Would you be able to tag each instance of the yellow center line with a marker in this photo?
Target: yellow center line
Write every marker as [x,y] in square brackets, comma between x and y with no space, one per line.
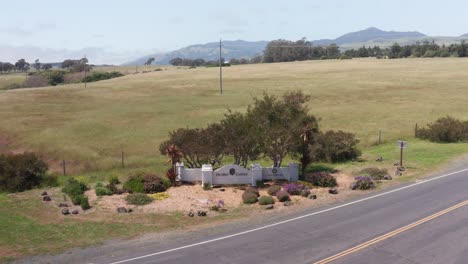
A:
[390,234]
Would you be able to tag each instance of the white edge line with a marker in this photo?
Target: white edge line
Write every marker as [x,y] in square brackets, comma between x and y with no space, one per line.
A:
[289,220]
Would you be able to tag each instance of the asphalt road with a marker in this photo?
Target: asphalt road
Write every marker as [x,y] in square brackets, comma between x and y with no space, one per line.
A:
[318,234]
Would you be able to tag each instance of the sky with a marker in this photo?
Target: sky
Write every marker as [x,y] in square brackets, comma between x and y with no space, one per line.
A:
[116,31]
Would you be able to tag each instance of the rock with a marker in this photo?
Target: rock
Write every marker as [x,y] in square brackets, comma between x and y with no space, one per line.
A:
[46,198]
[191,214]
[201,213]
[222,190]
[75,211]
[401,168]
[129,210]
[333,191]
[63,205]
[396,164]
[287,203]
[387,177]
[121,210]
[269,207]
[217,186]
[312,196]
[379,158]
[398,173]
[65,211]
[44,193]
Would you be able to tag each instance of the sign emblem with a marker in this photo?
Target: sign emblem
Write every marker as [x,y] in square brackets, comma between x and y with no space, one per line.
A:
[274,170]
[232,171]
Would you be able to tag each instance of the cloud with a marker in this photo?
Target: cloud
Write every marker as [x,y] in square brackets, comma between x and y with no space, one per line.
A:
[27,31]
[96,55]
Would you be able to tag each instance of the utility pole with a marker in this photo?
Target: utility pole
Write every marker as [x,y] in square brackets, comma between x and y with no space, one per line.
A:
[220,69]
[85,70]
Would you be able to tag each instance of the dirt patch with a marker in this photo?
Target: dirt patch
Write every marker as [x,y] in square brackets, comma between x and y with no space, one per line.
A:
[187,198]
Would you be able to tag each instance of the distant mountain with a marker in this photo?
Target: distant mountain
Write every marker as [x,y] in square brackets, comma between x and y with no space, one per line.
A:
[371,33]
[246,49]
[209,51]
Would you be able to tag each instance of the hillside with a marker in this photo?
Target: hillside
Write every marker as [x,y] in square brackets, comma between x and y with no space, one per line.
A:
[368,34]
[90,126]
[209,51]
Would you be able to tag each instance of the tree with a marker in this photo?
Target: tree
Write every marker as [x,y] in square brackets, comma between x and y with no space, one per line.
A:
[280,123]
[46,66]
[37,65]
[22,65]
[176,61]
[395,51]
[150,61]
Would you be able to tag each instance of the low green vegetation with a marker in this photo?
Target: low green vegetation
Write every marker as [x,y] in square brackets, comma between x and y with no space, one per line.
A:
[265,200]
[138,199]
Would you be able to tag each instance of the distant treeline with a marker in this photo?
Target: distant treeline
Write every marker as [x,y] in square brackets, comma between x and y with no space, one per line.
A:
[285,50]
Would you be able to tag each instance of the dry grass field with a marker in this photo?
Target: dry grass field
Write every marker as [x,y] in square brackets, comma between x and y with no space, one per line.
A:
[89,126]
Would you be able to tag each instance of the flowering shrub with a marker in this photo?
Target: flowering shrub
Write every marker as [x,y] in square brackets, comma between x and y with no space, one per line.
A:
[293,188]
[321,179]
[363,183]
[159,196]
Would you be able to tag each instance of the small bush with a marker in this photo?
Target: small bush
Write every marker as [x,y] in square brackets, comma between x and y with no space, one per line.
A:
[138,199]
[135,182]
[307,184]
[445,130]
[272,190]
[375,173]
[99,76]
[74,188]
[76,199]
[82,179]
[321,179]
[159,196]
[102,191]
[282,196]
[363,183]
[99,184]
[20,172]
[264,200]
[305,192]
[50,180]
[249,197]
[207,186]
[153,183]
[335,146]
[114,180]
[293,188]
[84,203]
[253,190]
[172,176]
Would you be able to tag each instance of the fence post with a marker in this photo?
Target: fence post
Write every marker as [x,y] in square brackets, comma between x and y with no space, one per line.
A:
[416,130]
[380,136]
[64,165]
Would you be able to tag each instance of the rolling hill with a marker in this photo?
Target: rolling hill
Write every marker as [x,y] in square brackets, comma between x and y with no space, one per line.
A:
[246,49]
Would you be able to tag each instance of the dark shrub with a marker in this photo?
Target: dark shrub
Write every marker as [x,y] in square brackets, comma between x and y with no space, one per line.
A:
[272,190]
[293,188]
[375,173]
[282,196]
[335,146]
[21,172]
[98,76]
[321,179]
[253,190]
[264,200]
[172,176]
[138,199]
[249,197]
[363,183]
[101,191]
[74,188]
[84,203]
[446,129]
[207,186]
[153,183]
[114,180]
